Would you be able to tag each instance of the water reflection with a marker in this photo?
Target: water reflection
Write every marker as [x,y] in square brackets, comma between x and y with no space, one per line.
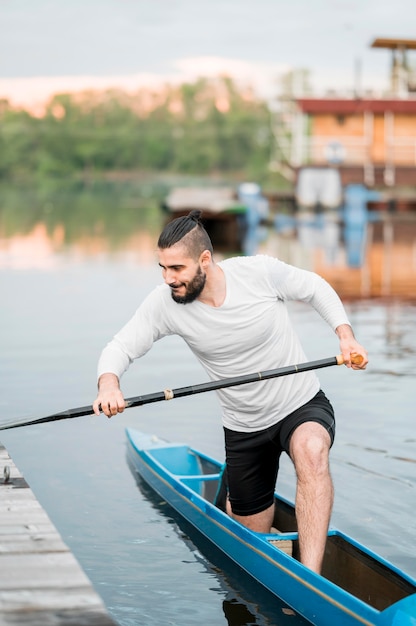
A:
[41,250]
[35,250]
[97,216]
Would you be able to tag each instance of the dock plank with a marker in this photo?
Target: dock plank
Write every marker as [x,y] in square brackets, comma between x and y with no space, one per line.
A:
[41,582]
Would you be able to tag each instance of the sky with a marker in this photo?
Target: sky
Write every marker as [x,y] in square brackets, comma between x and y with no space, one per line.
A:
[47,46]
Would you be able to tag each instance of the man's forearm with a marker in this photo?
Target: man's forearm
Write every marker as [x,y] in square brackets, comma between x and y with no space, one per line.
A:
[344,331]
[108,381]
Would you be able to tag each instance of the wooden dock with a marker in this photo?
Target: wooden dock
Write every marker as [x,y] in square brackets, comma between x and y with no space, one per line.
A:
[41,582]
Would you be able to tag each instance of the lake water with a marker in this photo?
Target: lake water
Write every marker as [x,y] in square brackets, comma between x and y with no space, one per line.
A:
[58,310]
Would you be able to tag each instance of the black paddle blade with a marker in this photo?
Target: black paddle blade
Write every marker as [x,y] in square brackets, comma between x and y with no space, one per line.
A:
[80,412]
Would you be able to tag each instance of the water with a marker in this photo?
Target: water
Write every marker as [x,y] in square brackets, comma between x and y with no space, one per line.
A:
[148,566]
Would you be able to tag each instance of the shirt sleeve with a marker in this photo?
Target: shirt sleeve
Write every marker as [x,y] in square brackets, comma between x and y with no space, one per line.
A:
[135,338]
[293,283]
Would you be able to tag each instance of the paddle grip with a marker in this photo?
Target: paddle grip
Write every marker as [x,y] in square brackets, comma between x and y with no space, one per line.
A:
[356,359]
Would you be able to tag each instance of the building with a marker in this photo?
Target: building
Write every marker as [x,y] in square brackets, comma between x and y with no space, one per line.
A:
[371,140]
[368,144]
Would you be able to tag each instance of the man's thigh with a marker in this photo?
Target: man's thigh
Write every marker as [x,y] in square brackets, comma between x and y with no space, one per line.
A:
[252,464]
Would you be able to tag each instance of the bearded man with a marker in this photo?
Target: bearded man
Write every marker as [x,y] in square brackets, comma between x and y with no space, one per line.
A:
[233,316]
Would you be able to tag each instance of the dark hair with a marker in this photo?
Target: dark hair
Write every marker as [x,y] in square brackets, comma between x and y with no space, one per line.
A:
[188,230]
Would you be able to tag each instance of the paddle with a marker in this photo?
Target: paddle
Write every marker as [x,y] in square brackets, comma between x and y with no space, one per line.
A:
[169,394]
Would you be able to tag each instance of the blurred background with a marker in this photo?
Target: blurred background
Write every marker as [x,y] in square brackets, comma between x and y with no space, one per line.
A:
[286,124]
[293,127]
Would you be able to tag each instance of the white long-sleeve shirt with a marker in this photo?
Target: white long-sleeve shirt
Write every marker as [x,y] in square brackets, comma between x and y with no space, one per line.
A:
[250,332]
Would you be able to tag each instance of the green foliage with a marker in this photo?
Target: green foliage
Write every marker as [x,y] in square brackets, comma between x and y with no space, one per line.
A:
[198,128]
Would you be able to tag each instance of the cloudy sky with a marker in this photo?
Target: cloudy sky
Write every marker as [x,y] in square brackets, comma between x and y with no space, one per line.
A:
[49,45]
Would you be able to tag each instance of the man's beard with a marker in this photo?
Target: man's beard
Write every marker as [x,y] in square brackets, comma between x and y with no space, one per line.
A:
[193,290]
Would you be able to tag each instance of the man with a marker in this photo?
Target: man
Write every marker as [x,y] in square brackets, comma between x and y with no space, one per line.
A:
[233,316]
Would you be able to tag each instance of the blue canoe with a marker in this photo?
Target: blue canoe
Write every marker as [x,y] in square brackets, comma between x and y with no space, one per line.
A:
[356,586]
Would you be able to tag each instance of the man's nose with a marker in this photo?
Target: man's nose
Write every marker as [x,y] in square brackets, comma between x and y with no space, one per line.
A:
[169,277]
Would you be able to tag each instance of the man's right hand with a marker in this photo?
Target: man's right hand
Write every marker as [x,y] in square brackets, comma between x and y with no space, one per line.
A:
[109,400]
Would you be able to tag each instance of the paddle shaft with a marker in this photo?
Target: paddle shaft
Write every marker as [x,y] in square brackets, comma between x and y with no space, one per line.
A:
[169,394]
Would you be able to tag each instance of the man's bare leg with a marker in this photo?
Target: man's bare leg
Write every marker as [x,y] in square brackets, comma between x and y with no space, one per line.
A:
[259,522]
[309,450]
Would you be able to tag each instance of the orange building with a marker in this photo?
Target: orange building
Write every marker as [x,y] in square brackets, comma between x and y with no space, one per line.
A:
[370,140]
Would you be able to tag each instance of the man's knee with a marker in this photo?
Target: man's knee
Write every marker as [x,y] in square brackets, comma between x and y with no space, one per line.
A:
[309,447]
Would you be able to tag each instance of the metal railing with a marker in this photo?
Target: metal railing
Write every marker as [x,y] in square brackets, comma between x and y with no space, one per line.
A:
[357,151]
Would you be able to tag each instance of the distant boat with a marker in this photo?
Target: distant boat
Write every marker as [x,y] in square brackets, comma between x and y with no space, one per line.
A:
[232,217]
[224,215]
[357,587]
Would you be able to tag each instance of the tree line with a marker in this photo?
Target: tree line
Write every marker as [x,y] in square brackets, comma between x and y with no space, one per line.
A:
[199,128]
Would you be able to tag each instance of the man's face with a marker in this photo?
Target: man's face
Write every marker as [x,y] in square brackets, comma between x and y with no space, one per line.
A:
[183,274]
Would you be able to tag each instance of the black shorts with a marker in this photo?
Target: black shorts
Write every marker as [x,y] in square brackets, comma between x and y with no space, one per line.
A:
[252,459]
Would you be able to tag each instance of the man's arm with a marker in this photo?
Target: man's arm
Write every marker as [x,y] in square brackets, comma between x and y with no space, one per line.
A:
[131,342]
[109,400]
[349,345]
[293,283]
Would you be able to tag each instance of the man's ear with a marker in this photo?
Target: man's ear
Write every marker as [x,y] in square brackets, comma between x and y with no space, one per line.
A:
[205,258]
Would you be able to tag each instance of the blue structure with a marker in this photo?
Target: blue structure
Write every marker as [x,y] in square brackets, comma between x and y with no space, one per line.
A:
[257,211]
[356,218]
[327,214]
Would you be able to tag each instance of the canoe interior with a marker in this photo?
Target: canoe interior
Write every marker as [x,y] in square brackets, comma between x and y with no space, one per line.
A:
[363,576]
[345,564]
